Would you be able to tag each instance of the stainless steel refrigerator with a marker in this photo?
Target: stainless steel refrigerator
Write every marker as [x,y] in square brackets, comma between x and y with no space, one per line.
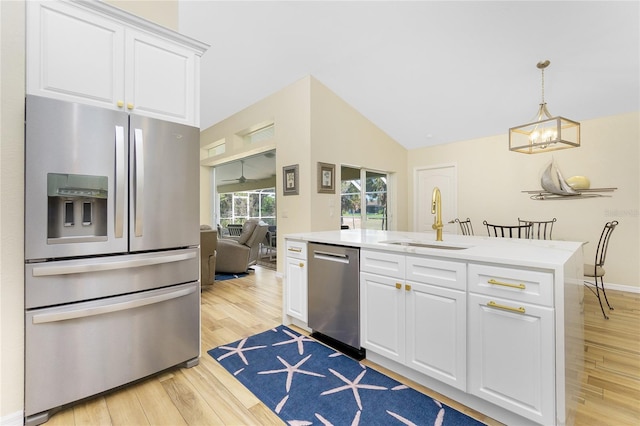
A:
[111,250]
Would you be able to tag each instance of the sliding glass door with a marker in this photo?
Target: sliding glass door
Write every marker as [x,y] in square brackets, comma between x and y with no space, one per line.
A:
[363,196]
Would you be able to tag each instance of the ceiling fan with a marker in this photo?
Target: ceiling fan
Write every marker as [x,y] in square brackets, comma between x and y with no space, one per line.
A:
[241,179]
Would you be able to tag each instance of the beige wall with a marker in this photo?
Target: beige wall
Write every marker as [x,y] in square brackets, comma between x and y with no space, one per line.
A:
[340,135]
[491,178]
[288,109]
[12,83]
[163,12]
[312,125]
[12,78]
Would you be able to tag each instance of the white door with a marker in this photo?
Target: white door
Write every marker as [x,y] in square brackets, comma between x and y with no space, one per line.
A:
[382,309]
[426,179]
[74,55]
[436,332]
[296,284]
[160,79]
[511,356]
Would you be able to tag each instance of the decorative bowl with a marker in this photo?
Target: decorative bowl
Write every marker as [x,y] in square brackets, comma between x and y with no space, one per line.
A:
[579,182]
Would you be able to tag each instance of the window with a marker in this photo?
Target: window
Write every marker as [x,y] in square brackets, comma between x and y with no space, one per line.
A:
[363,206]
[219,147]
[262,134]
[238,207]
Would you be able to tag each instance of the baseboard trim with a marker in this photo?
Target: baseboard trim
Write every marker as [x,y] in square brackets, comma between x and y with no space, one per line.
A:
[621,287]
[13,419]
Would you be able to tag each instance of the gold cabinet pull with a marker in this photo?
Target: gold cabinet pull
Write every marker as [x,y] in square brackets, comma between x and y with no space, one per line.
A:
[295,249]
[129,105]
[398,286]
[496,282]
[407,287]
[493,304]
[301,265]
[120,104]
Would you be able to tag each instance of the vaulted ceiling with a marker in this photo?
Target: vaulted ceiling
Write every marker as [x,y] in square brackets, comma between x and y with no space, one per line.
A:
[425,72]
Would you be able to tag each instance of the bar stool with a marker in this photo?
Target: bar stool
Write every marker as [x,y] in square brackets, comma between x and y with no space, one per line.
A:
[541,229]
[596,271]
[509,231]
[465,226]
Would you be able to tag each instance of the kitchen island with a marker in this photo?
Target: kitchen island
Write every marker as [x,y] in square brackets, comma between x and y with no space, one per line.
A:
[493,323]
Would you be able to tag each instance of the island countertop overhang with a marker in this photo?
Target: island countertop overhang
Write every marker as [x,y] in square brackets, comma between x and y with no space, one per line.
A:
[544,254]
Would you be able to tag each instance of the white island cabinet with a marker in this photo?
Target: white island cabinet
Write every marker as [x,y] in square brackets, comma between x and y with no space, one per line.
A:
[511,339]
[493,323]
[97,54]
[413,311]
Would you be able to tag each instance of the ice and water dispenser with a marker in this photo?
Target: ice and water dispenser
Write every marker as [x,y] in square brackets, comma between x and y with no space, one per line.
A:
[77,208]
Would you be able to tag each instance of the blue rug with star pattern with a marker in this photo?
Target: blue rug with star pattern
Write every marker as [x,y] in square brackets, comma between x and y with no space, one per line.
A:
[305,382]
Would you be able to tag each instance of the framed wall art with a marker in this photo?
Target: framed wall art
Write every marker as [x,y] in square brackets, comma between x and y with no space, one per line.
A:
[326,178]
[290,180]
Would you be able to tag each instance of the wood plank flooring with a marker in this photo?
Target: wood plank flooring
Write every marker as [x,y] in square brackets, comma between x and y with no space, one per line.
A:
[208,395]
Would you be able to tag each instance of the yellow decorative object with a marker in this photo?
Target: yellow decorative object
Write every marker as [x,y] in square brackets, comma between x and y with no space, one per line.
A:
[579,182]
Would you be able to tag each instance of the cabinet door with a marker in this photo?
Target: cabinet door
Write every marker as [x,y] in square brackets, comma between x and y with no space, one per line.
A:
[511,356]
[160,78]
[74,55]
[296,288]
[436,332]
[382,313]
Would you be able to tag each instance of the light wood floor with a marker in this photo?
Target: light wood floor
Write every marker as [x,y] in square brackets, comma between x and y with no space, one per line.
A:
[208,395]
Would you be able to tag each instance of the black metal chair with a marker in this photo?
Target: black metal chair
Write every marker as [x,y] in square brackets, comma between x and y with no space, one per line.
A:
[596,271]
[509,231]
[541,229]
[465,226]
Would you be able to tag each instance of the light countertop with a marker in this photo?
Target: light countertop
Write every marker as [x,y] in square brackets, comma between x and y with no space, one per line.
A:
[511,251]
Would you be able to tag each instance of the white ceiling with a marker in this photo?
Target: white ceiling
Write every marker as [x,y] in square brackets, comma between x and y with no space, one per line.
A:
[425,72]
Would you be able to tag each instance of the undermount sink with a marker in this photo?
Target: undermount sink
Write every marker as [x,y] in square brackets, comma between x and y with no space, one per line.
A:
[424,245]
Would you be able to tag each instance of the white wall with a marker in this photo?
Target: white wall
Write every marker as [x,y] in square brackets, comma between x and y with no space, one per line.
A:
[491,178]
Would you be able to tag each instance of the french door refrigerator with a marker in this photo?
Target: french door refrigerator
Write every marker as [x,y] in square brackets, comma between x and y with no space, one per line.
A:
[111,251]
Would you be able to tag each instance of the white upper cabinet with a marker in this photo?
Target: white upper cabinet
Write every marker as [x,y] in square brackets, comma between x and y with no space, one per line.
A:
[96,54]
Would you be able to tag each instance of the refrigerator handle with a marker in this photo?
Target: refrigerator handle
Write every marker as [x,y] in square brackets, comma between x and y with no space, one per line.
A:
[115,307]
[120,182]
[49,269]
[139,204]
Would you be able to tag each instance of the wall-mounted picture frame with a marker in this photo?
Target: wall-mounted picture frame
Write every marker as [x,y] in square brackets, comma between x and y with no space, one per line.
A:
[290,180]
[326,178]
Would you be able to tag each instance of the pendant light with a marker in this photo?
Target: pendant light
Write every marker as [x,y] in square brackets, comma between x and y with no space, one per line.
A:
[544,133]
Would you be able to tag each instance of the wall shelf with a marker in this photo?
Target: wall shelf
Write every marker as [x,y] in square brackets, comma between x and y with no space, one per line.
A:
[543,195]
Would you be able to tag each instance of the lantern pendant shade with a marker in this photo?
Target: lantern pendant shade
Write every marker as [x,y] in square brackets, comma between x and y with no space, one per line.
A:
[544,133]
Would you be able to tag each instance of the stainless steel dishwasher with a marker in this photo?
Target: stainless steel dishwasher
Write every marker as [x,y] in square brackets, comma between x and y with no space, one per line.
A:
[334,297]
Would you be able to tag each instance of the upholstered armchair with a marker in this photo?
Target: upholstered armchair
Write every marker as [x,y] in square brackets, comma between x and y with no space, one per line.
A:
[236,255]
[208,246]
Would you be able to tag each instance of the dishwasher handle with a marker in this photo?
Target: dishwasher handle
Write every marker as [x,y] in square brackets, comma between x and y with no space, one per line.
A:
[331,257]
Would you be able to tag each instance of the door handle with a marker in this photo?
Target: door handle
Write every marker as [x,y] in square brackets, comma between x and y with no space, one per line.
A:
[493,281]
[120,183]
[139,198]
[519,310]
[331,257]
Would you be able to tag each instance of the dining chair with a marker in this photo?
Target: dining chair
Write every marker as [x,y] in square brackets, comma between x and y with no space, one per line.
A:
[541,229]
[596,271]
[509,231]
[465,226]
